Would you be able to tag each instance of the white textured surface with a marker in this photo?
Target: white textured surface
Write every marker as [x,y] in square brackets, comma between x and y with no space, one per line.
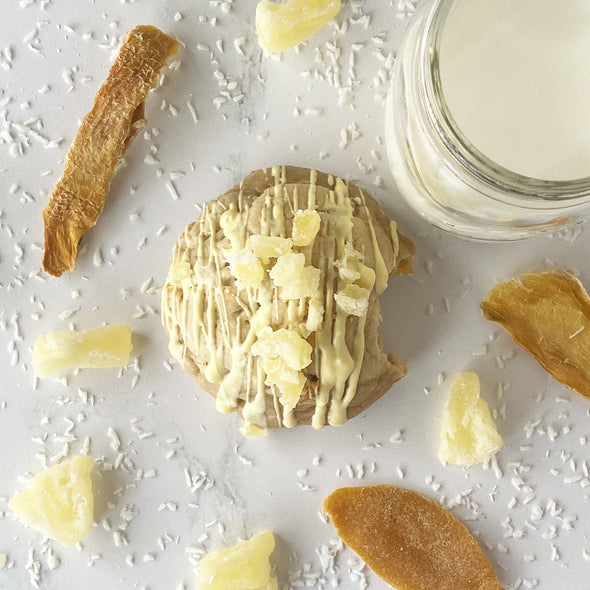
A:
[175,478]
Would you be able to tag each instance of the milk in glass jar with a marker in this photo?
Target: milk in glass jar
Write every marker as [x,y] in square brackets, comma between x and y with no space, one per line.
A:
[488,116]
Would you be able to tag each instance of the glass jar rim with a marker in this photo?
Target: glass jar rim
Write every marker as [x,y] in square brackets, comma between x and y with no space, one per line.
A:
[464,154]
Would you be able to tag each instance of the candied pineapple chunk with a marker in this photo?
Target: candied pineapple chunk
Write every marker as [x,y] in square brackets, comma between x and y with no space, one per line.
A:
[247,268]
[107,346]
[58,501]
[281,26]
[285,344]
[244,566]
[351,269]
[353,300]
[306,225]
[315,314]
[468,434]
[267,247]
[295,279]
[290,382]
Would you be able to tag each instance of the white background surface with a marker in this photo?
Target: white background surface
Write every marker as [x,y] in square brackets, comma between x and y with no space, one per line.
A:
[320,107]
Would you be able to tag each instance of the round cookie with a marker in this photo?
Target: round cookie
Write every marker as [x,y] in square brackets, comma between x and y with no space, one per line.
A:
[271,300]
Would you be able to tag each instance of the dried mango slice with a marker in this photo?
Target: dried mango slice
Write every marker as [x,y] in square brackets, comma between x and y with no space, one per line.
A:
[408,540]
[281,26]
[548,314]
[104,136]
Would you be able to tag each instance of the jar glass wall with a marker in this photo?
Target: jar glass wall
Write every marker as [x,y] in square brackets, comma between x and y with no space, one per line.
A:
[441,174]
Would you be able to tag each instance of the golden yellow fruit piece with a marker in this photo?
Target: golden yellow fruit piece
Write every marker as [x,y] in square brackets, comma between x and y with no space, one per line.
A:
[245,266]
[290,382]
[244,566]
[306,225]
[468,434]
[295,279]
[315,314]
[58,501]
[281,26]
[285,344]
[267,247]
[107,346]
[408,540]
[353,300]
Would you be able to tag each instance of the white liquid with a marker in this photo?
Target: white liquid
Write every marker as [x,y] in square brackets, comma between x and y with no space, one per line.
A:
[516,77]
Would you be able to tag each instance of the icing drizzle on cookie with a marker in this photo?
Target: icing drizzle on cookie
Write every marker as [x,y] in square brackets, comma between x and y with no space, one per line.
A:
[266,313]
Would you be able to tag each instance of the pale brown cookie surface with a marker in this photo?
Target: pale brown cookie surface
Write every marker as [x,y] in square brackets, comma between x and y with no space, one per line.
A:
[271,301]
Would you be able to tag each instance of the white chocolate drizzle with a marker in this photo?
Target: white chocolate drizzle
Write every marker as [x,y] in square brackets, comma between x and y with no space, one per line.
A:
[200,284]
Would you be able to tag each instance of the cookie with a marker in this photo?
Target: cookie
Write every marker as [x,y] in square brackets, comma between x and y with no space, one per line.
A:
[271,300]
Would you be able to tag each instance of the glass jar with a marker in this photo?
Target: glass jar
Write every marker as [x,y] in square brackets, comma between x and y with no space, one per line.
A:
[441,175]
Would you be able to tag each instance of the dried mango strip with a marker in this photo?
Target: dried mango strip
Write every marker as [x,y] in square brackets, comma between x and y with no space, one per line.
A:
[548,314]
[410,541]
[104,136]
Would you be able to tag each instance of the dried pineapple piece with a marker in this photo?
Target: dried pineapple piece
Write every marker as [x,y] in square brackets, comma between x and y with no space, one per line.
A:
[295,279]
[306,225]
[353,300]
[348,273]
[107,346]
[285,344]
[315,314]
[267,247]
[247,268]
[290,382]
[283,353]
[351,269]
[348,265]
[548,314]
[468,434]
[104,135]
[281,26]
[244,566]
[59,501]
[408,540]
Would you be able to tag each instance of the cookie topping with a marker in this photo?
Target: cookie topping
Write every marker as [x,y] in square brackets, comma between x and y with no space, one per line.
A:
[296,280]
[306,225]
[275,277]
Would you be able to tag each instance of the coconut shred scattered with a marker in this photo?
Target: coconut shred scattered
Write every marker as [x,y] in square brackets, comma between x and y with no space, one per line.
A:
[137,458]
